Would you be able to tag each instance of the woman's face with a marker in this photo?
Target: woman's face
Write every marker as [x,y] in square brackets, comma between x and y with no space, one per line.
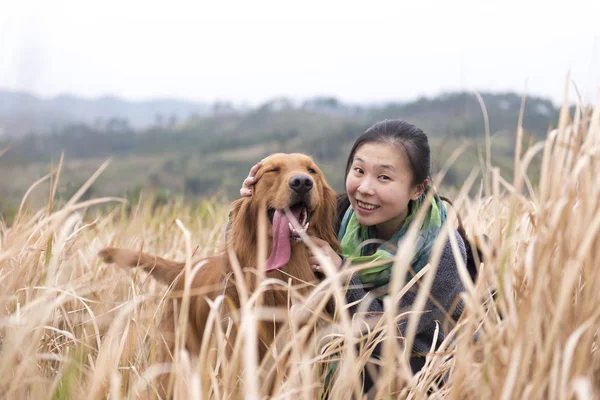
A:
[379,186]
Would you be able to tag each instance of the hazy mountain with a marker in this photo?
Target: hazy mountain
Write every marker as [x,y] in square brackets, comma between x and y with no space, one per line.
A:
[460,113]
[213,151]
[456,113]
[22,113]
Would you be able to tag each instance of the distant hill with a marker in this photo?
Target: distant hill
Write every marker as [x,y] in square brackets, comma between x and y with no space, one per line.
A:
[452,113]
[212,152]
[460,114]
[22,113]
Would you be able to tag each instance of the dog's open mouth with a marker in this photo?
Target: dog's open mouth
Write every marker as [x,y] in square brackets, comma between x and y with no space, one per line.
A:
[302,215]
[284,232]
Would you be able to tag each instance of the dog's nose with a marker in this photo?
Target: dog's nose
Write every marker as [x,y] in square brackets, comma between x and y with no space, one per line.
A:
[301,183]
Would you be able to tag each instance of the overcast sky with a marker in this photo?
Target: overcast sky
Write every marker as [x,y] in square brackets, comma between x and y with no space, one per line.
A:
[250,51]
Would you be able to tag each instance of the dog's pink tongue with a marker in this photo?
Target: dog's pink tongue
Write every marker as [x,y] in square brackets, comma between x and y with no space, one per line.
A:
[281,253]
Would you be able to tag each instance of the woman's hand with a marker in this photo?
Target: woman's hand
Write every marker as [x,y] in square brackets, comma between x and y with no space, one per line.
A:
[246,190]
[329,253]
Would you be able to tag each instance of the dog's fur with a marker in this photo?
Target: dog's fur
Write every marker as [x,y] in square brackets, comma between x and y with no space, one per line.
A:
[272,191]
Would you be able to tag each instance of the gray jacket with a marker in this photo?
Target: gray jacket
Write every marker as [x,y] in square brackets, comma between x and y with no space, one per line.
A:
[445,290]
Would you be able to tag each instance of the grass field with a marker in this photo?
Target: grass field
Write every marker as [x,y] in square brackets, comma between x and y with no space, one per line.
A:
[74,328]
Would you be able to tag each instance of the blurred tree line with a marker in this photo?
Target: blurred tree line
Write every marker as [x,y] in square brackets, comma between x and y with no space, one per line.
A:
[211,154]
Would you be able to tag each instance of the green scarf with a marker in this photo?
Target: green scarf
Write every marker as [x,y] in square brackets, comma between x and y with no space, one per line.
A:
[359,245]
[353,235]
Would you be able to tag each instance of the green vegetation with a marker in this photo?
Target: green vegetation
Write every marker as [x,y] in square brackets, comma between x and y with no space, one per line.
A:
[211,155]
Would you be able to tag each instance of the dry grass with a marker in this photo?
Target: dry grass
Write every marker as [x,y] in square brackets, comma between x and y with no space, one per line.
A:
[71,327]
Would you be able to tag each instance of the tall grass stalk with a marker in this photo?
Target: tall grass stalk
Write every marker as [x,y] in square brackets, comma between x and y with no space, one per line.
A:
[74,328]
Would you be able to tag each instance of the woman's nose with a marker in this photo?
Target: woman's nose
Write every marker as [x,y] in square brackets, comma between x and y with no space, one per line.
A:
[365,187]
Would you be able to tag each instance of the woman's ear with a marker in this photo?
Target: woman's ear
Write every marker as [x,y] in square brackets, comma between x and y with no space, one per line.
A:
[419,189]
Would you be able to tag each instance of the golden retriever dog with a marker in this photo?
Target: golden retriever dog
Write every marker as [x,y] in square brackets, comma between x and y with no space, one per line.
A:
[288,185]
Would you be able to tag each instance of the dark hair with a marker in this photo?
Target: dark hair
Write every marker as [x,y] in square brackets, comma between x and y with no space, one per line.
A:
[412,139]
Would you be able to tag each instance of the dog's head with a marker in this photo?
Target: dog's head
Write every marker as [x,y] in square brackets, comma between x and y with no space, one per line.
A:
[288,186]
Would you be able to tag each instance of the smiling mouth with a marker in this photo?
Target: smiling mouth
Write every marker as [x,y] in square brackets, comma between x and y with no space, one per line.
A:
[367,206]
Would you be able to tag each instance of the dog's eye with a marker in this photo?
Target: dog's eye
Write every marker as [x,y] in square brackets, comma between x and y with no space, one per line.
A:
[276,170]
[312,171]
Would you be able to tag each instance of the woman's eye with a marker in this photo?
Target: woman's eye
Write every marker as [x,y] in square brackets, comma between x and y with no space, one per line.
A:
[358,170]
[385,177]
[312,171]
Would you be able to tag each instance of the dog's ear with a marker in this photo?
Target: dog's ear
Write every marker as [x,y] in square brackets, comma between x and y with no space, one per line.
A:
[242,228]
[326,217]
[235,209]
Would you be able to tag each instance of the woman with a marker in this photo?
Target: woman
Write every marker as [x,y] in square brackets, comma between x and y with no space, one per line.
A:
[387,181]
